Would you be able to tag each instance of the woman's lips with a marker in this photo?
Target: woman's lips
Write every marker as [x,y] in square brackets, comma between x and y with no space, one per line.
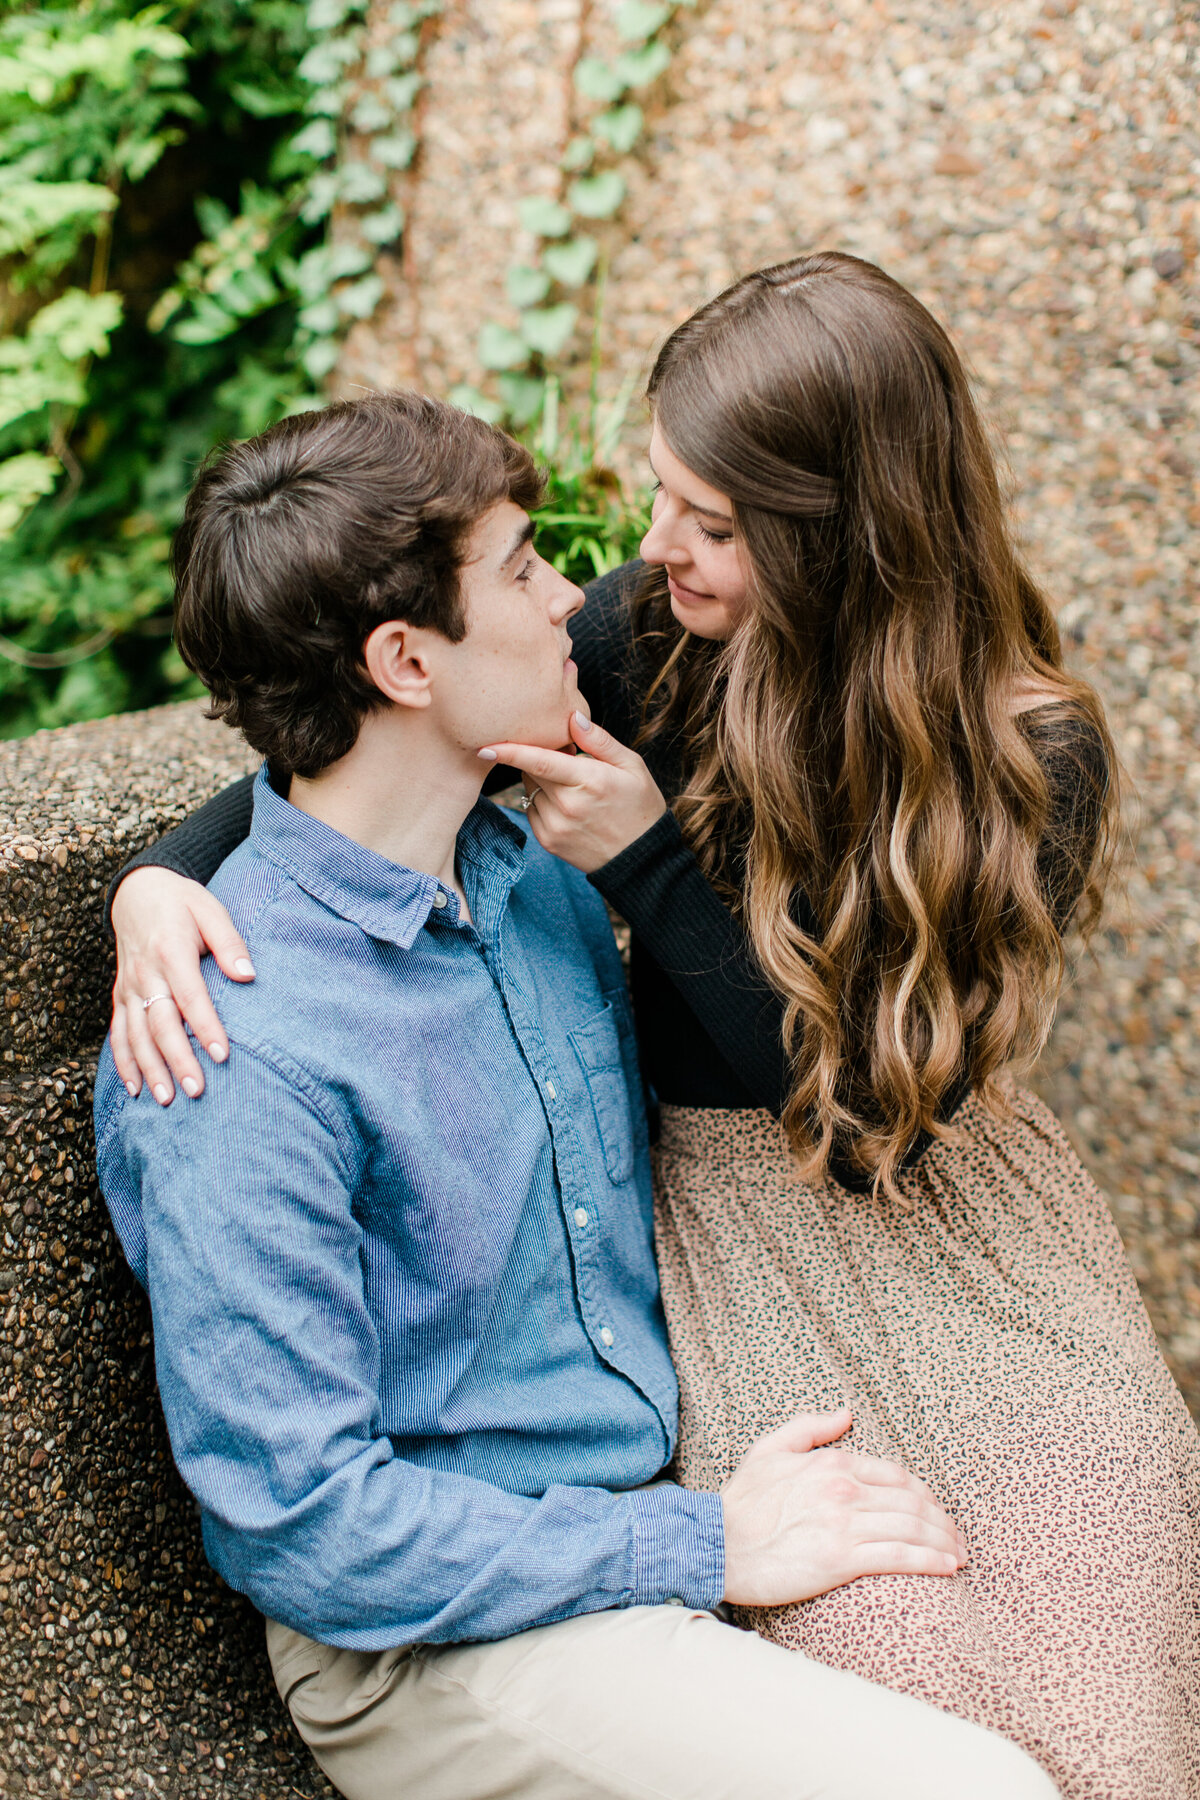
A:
[687,596]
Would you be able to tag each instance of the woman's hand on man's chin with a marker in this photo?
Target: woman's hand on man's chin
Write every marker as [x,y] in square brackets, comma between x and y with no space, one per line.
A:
[584,808]
[164,924]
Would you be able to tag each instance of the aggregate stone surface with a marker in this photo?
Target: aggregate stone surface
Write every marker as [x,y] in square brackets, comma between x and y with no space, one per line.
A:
[127,1668]
[1032,170]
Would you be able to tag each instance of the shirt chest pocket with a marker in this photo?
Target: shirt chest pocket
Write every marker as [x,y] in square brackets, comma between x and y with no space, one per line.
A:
[597,1044]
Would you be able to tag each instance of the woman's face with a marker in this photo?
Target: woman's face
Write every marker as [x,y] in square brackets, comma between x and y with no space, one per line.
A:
[691,536]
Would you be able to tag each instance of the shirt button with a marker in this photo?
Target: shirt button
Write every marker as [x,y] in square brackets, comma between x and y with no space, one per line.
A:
[674,1600]
[552,1090]
[581,1216]
[440,900]
[606,1337]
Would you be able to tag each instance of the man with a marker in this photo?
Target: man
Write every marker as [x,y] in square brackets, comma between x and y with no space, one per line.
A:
[406,1312]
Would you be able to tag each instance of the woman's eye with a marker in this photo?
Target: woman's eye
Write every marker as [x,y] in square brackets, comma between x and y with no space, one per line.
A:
[714,537]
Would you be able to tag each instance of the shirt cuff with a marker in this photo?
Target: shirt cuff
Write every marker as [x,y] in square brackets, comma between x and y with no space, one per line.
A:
[679,1547]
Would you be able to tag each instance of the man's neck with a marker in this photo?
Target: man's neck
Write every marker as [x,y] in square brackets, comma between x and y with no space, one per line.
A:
[397,793]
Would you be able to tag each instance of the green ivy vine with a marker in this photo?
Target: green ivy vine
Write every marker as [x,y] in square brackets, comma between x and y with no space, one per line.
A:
[547,290]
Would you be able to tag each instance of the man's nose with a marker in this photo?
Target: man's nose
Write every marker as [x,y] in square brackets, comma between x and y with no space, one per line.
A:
[566,602]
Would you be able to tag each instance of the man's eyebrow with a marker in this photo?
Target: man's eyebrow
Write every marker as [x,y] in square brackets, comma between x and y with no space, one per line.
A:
[706,512]
[523,537]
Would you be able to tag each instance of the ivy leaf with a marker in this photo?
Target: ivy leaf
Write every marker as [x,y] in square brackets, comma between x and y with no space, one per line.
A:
[327,102]
[320,357]
[638,67]
[572,262]
[548,329]
[360,300]
[402,90]
[370,114]
[359,184]
[321,318]
[597,196]
[319,202]
[599,80]
[578,154]
[639,19]
[523,397]
[545,218]
[396,150]
[620,128]
[327,59]
[24,479]
[318,138]
[327,15]
[469,400]
[525,286]
[384,226]
[501,348]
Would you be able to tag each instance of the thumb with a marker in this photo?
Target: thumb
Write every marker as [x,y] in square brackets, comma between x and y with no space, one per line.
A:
[600,744]
[808,1430]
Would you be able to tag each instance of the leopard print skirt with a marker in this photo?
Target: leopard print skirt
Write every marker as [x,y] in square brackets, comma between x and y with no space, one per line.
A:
[989,1335]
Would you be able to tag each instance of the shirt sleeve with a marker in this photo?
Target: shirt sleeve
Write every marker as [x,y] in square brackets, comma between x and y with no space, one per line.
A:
[269,1363]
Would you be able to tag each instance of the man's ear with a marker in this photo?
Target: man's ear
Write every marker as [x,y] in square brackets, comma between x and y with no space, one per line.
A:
[397,660]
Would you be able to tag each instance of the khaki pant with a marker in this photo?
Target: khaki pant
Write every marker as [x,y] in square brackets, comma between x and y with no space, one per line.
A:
[657,1702]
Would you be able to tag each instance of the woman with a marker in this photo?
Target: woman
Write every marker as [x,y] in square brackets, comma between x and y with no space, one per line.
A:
[868,802]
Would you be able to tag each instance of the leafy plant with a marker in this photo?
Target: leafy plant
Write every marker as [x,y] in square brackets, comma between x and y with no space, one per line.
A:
[168,176]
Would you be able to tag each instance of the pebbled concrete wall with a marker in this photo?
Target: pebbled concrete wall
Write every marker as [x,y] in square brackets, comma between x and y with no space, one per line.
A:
[127,1669]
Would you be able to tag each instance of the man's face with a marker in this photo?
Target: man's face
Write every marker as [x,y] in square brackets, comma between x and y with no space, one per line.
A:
[512,678]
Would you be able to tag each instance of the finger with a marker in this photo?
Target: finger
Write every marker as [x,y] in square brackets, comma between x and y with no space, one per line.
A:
[808,1429]
[145,1053]
[191,996]
[898,1558]
[601,745]
[224,942]
[878,1471]
[911,1528]
[118,1037]
[915,1501]
[544,765]
[166,1028]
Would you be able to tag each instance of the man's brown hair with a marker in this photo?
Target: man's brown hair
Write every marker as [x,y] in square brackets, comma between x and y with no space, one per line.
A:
[295,545]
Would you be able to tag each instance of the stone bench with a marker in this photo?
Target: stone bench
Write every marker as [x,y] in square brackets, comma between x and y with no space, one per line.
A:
[128,1668]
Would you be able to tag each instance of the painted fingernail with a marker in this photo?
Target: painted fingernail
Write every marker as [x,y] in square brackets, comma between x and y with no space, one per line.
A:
[132,1089]
[162,1095]
[218,1052]
[487,756]
[243,966]
[583,722]
[191,1086]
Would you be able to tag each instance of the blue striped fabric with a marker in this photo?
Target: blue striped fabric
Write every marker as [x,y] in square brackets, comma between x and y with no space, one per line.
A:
[406,1314]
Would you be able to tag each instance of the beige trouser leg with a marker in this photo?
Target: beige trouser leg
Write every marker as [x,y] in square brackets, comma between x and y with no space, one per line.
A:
[656,1701]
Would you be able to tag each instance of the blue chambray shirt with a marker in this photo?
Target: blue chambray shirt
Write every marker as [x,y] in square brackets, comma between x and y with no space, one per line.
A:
[406,1315]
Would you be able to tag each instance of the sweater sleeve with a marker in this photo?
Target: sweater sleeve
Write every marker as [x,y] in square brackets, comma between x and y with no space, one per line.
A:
[199,846]
[660,890]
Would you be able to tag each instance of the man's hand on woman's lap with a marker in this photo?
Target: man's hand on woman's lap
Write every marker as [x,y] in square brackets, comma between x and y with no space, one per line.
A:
[801,1519]
[163,925]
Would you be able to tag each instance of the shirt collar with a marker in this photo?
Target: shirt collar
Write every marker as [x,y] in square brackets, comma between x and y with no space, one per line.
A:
[387,900]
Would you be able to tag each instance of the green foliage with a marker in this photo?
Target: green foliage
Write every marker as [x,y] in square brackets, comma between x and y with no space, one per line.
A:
[588,523]
[544,334]
[167,280]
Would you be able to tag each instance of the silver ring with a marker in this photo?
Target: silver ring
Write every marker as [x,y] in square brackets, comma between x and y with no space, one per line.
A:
[527,800]
[147,1004]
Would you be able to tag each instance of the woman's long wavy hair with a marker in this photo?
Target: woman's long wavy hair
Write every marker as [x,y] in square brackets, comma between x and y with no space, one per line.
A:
[856,739]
